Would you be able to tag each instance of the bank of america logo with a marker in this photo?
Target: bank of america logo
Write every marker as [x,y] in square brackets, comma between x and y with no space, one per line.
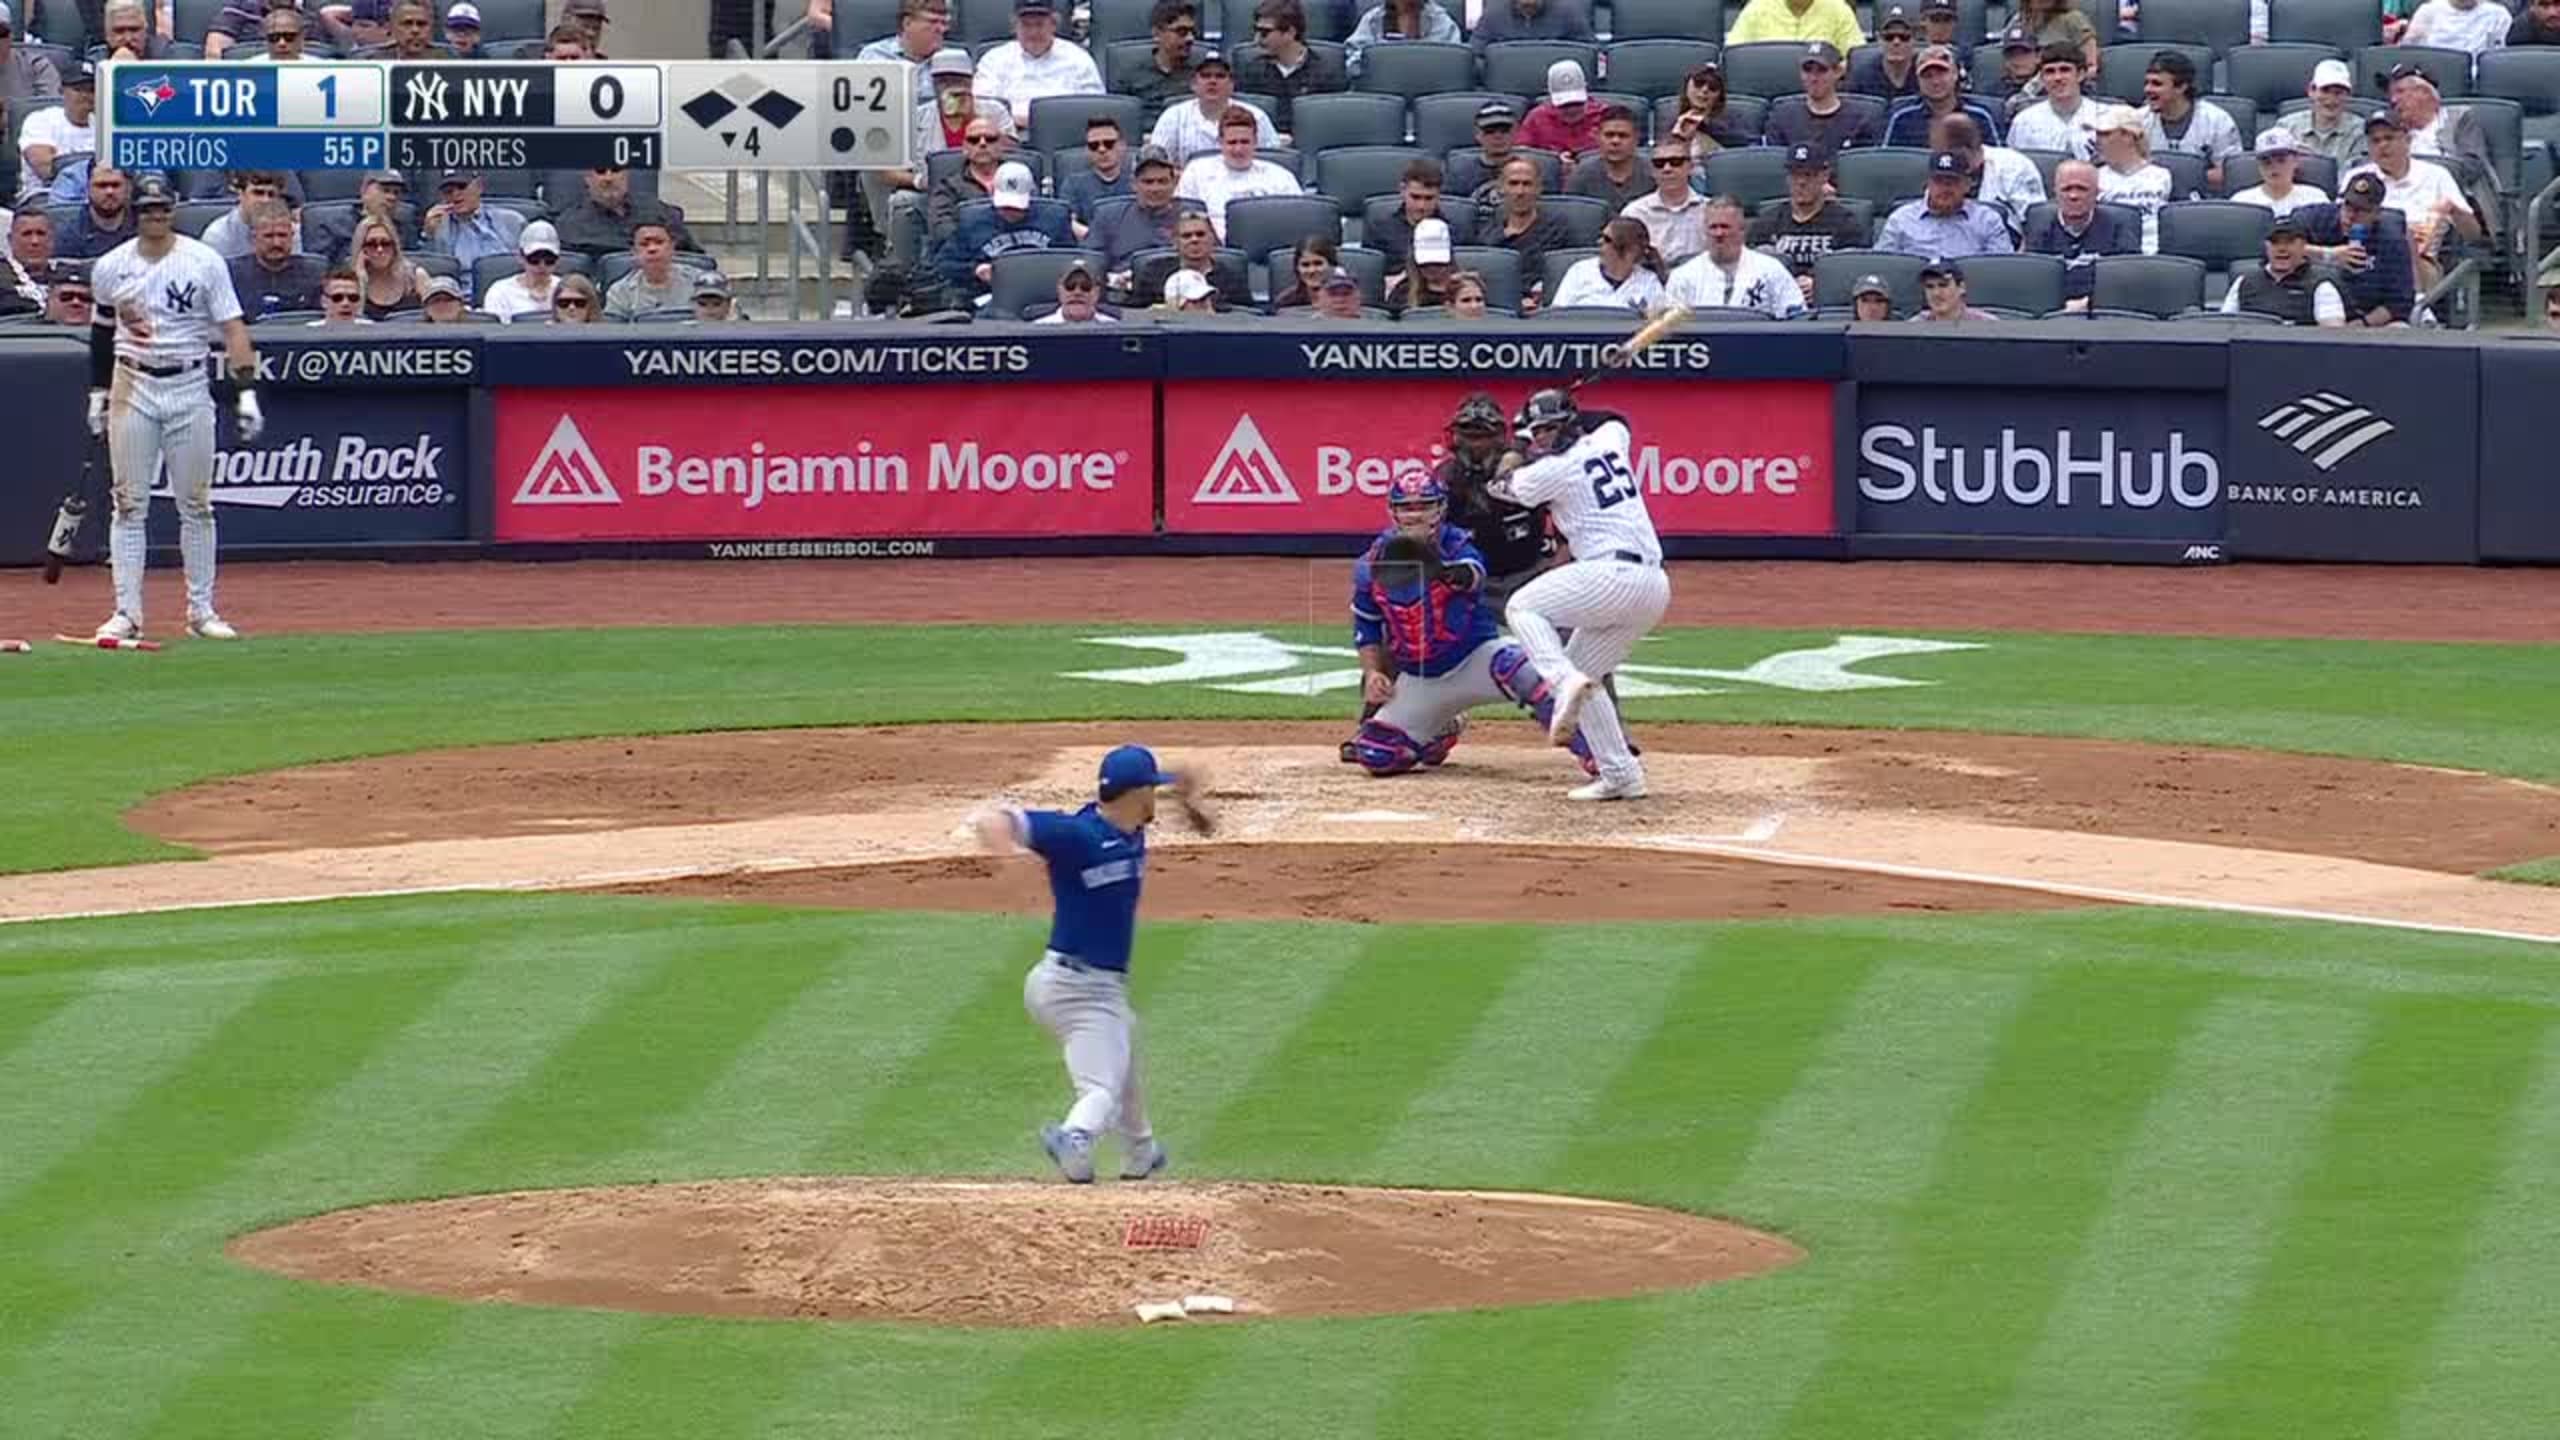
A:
[2326,426]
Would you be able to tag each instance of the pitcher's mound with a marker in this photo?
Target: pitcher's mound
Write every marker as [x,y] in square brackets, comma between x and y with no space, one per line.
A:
[1008,1253]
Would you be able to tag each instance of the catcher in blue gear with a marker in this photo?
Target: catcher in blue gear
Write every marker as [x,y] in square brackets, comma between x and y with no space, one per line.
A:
[1430,649]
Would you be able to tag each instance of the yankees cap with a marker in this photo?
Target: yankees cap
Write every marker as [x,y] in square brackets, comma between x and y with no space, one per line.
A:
[153,192]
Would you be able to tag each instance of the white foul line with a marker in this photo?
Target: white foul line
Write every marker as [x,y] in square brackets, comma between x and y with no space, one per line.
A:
[2095,892]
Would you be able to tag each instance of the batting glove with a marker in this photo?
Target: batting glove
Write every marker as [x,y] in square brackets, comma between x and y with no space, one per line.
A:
[253,421]
[98,413]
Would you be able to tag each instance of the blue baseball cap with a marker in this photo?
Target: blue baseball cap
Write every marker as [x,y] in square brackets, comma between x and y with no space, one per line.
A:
[1129,767]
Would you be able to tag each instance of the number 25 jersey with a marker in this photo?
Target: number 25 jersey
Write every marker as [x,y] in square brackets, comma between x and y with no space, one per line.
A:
[1591,494]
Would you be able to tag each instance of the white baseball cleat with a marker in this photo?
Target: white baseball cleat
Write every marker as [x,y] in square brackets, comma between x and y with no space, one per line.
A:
[120,626]
[209,626]
[1571,693]
[1628,788]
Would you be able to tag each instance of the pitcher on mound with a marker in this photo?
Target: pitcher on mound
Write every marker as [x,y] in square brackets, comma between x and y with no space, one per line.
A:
[1609,595]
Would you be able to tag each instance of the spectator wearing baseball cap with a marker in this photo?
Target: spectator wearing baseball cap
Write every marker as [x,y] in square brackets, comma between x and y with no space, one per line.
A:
[2077,231]
[1189,290]
[24,74]
[2367,245]
[2048,23]
[1830,21]
[591,16]
[69,298]
[1281,64]
[2126,175]
[2474,27]
[1017,218]
[1819,117]
[713,304]
[1939,79]
[1618,173]
[1394,20]
[2453,136]
[462,31]
[2066,119]
[1567,123]
[1889,70]
[1146,222]
[529,291]
[2290,286]
[1531,20]
[1079,299]
[1472,173]
[1938,20]
[1812,224]
[1942,298]
[1425,281]
[2279,157]
[1945,223]
[2178,121]
[2331,126]
[55,136]
[1871,299]
[2021,60]
[1338,296]
[1234,172]
[444,302]
[1191,129]
[2003,179]
[462,225]
[2425,194]
[1035,63]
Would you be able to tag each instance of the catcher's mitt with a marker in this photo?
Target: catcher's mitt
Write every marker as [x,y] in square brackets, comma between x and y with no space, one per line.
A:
[1412,552]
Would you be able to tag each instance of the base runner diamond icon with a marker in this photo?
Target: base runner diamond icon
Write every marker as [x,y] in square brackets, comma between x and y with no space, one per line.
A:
[729,117]
[567,472]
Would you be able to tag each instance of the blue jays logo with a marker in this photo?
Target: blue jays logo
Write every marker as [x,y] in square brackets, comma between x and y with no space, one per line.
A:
[181,299]
[153,93]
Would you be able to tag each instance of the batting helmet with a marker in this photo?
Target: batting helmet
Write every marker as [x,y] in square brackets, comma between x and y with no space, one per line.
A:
[1543,409]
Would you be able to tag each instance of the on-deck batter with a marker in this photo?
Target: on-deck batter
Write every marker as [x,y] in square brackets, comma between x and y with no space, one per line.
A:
[1612,592]
[162,297]
[1079,992]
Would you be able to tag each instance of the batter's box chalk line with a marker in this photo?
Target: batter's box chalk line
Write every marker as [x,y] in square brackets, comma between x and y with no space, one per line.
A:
[1165,1232]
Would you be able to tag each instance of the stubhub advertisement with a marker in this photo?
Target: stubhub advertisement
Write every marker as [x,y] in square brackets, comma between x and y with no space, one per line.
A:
[2137,465]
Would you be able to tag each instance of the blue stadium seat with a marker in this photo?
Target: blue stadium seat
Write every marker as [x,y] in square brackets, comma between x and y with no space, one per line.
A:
[1766,68]
[1414,68]
[2347,24]
[2272,74]
[1326,122]
[1519,67]
[1026,277]
[1835,275]
[1666,20]
[2221,25]
[2156,285]
[1442,123]
[2450,69]
[1653,68]
[1354,173]
[1500,269]
[1271,222]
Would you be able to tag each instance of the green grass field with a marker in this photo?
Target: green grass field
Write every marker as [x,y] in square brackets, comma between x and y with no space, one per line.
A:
[2105,1173]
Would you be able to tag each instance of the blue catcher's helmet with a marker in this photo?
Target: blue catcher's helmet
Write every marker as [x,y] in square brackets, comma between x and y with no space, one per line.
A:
[1417,502]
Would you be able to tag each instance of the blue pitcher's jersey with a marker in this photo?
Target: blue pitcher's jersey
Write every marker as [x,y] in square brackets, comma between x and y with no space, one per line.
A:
[1095,870]
[1426,628]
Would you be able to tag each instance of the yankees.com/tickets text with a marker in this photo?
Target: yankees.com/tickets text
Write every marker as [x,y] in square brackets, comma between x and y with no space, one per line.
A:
[1520,357]
[733,363]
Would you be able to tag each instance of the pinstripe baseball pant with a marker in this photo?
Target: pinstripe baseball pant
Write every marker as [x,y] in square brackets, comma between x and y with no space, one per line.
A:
[1608,605]
[156,422]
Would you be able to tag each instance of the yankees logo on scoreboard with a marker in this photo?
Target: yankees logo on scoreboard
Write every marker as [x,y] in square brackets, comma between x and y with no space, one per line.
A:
[538,117]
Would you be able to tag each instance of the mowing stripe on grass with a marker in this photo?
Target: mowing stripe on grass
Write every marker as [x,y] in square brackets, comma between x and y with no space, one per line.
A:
[2489,1376]
[91,1065]
[2373,1241]
[1834,1162]
[21,1015]
[2188,1224]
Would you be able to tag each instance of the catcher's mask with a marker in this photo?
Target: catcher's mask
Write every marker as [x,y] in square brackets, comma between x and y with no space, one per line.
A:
[1476,430]
[1417,503]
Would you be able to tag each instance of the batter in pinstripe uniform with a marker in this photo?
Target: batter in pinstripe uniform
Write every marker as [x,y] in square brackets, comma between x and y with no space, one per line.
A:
[163,298]
[1609,596]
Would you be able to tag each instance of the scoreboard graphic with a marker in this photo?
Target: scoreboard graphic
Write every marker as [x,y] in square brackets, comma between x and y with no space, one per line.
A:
[482,115]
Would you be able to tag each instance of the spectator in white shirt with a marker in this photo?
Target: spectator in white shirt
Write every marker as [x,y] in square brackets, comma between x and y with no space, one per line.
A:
[2474,27]
[2002,178]
[1235,172]
[1730,277]
[530,291]
[49,139]
[230,234]
[2065,120]
[2278,158]
[1674,215]
[2126,175]
[921,26]
[1626,273]
[2424,192]
[1191,130]
[1035,63]
[1079,299]
[2176,120]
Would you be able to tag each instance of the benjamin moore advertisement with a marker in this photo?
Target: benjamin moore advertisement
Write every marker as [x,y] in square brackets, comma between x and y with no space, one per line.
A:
[335,468]
[2125,465]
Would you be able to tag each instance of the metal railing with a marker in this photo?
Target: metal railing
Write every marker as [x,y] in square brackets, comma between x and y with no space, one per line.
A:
[807,230]
[2537,259]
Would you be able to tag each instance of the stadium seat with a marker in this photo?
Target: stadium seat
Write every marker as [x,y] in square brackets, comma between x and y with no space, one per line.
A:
[194,215]
[447,266]
[2221,233]
[192,20]
[1442,123]
[1519,67]
[1127,20]
[1638,107]
[1268,222]
[1293,161]
[58,22]
[1125,64]
[976,22]
[1885,176]
[2186,173]
[1457,209]
[513,49]
[2028,284]
[1500,269]
[1326,122]
[2270,75]
[1835,276]
[1748,175]
[1354,173]
[1982,75]
[1652,68]
[1583,216]
[2348,24]
[1369,267]
[1766,68]
[1234,21]
[1027,277]
[2529,75]
[2243,112]
[2156,285]
[2121,68]
[1666,20]
[286,319]
[2502,124]
[2220,25]
[1414,68]
[2240,172]
[2046,162]
[2450,69]
[1058,121]
[1601,315]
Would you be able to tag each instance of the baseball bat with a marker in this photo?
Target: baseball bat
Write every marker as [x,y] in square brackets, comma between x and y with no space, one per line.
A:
[16,647]
[1650,334]
[91,642]
[66,521]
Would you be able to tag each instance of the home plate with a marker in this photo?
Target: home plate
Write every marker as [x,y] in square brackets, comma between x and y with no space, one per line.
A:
[1377,817]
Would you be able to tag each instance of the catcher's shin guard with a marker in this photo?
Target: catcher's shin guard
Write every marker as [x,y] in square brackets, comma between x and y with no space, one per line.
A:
[1385,750]
[1351,747]
[1444,742]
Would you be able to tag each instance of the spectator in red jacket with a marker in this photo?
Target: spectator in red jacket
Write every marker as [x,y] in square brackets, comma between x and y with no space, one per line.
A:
[1568,123]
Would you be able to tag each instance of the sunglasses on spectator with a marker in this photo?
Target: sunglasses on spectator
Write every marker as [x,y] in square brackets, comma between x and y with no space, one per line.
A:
[978,140]
[538,258]
[377,244]
[344,297]
[569,302]
[1669,162]
[1098,146]
[75,297]
[1075,282]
